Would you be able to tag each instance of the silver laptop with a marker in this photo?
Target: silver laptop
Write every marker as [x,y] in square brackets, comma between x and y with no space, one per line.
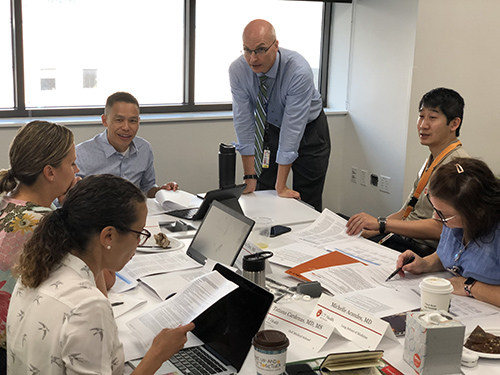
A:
[220,236]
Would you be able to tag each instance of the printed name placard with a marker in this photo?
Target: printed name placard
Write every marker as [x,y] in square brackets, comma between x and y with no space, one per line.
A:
[353,323]
[302,329]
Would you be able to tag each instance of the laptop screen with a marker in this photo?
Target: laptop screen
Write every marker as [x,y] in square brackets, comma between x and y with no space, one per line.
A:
[229,325]
[220,236]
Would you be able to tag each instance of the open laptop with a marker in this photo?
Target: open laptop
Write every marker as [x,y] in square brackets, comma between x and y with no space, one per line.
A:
[225,329]
[221,235]
[228,196]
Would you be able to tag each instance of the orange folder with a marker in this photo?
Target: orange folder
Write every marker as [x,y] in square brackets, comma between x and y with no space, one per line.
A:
[335,258]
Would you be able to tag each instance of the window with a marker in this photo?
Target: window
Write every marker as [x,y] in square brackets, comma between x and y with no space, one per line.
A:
[172,61]
[219,38]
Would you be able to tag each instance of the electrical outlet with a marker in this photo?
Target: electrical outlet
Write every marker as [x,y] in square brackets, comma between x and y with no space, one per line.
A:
[354,175]
[363,177]
[385,183]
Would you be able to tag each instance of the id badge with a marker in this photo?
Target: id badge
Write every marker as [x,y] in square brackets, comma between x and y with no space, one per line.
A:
[266,157]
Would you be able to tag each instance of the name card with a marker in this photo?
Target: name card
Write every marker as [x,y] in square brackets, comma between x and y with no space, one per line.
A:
[356,325]
[301,329]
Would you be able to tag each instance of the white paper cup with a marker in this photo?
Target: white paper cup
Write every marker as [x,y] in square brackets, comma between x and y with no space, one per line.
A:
[435,294]
[270,352]
[261,232]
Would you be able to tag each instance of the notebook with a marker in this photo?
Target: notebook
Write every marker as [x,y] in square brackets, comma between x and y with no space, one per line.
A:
[228,196]
[220,236]
[225,329]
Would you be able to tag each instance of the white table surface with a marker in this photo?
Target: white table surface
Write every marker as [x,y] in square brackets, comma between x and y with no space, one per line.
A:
[297,215]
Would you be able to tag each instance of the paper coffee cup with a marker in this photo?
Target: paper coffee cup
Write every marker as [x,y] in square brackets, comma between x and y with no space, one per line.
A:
[435,294]
[270,352]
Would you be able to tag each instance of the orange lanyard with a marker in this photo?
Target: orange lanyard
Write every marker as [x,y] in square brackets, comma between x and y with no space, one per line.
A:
[426,174]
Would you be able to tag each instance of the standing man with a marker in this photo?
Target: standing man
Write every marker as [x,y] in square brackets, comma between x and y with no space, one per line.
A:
[117,150]
[440,118]
[278,117]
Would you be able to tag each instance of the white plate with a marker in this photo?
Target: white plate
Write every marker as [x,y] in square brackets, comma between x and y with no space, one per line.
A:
[494,331]
[175,244]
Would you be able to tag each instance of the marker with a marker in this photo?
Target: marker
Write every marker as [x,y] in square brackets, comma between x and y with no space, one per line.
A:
[407,261]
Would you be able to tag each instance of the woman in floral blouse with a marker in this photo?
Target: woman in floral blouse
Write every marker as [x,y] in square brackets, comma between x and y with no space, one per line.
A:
[42,168]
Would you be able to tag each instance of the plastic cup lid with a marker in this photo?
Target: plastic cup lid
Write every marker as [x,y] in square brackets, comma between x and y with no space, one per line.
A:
[436,285]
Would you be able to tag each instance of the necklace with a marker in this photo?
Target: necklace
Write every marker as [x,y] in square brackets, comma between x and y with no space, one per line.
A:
[463,247]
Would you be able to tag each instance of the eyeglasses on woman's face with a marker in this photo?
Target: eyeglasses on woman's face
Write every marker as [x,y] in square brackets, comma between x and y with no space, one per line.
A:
[142,236]
[438,215]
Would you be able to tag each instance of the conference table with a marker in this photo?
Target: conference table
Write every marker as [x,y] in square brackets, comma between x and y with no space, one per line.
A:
[297,215]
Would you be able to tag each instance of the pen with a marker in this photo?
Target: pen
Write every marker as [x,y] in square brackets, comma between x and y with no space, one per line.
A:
[385,238]
[407,261]
[170,296]
[117,304]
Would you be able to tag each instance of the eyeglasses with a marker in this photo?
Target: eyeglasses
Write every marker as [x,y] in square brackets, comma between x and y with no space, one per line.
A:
[257,51]
[142,236]
[443,219]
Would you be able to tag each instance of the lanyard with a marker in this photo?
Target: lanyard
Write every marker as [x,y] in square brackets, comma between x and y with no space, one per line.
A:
[426,174]
[274,83]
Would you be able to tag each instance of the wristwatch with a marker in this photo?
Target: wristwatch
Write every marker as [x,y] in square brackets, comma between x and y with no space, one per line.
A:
[250,177]
[468,284]
[381,224]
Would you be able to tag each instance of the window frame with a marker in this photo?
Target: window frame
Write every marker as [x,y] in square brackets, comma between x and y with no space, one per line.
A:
[189,104]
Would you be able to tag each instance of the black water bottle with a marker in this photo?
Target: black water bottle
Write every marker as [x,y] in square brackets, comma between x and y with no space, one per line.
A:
[227,166]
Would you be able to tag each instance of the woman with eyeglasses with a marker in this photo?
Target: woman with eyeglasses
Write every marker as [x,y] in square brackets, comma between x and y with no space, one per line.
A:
[59,322]
[465,195]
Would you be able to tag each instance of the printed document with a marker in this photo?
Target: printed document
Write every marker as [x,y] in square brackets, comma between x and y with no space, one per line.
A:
[151,264]
[182,308]
[328,227]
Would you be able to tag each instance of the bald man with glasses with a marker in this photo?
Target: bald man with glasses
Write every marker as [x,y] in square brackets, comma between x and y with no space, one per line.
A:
[278,117]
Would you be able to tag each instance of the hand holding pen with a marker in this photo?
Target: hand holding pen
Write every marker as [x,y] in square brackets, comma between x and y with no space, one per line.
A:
[406,261]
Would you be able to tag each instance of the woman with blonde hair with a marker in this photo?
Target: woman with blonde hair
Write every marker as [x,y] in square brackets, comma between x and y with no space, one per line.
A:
[42,168]
[58,321]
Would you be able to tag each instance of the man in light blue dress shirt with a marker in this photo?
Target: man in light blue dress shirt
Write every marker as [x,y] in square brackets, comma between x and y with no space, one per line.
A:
[117,150]
[296,136]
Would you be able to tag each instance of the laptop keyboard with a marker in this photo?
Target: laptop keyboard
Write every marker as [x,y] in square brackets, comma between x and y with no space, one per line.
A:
[186,213]
[195,361]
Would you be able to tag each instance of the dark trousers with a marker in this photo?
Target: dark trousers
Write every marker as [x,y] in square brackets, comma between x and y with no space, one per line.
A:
[309,169]
[3,361]
[399,243]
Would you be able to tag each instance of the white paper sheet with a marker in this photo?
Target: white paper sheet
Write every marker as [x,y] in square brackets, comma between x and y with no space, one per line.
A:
[327,228]
[294,254]
[140,266]
[123,282]
[184,307]
[365,251]
[176,281]
[167,200]
[122,303]
[381,301]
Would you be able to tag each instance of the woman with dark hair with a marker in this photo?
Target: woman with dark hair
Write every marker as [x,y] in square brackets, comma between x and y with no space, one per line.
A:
[42,168]
[59,322]
[465,195]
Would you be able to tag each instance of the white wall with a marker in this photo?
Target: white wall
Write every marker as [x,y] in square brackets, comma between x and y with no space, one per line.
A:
[383,41]
[457,47]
